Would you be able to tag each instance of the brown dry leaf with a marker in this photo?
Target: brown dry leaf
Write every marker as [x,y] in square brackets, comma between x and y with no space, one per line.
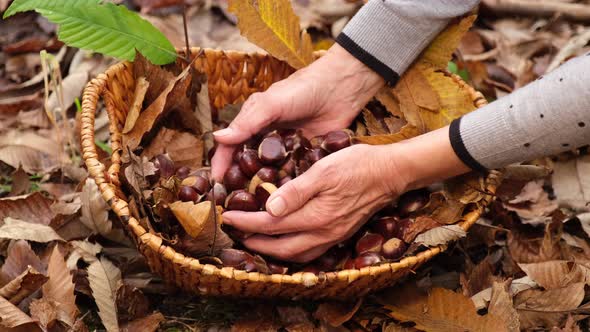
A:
[532,205]
[417,90]
[146,324]
[36,154]
[186,149]
[337,313]
[526,249]
[502,307]
[408,131]
[105,279]
[295,319]
[71,88]
[15,229]
[83,250]
[441,235]
[197,221]
[45,311]
[444,210]
[557,274]
[156,110]
[131,303]
[571,183]
[141,87]
[374,126]
[526,172]
[149,5]
[60,288]
[547,308]
[137,172]
[570,326]
[441,49]
[11,317]
[158,78]
[388,99]
[22,286]
[20,257]
[418,225]
[273,26]
[441,310]
[95,213]
[34,208]
[518,285]
[20,182]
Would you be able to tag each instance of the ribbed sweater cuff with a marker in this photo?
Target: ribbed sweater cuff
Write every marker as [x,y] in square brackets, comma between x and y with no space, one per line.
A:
[386,41]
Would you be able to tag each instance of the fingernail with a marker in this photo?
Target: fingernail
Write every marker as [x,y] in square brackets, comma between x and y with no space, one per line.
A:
[277,206]
[223,132]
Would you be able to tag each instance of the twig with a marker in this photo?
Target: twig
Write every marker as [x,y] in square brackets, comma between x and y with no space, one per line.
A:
[212,249]
[570,11]
[184,22]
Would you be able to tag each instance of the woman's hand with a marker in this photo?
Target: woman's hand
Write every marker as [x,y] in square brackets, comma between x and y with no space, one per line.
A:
[327,95]
[323,206]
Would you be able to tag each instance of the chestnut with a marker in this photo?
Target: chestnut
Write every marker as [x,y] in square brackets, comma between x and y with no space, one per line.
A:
[234,178]
[241,200]
[288,168]
[370,242]
[367,259]
[333,259]
[316,142]
[237,155]
[386,226]
[412,201]
[349,264]
[249,162]
[263,192]
[188,194]
[164,165]
[337,140]
[204,172]
[199,183]
[393,248]
[267,174]
[219,194]
[183,172]
[314,155]
[271,150]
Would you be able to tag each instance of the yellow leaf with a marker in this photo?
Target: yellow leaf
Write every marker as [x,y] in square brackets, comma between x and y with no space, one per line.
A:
[440,310]
[408,131]
[273,26]
[440,51]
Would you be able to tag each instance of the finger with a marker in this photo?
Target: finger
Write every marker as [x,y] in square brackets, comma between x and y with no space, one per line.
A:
[258,112]
[221,161]
[264,223]
[294,194]
[298,247]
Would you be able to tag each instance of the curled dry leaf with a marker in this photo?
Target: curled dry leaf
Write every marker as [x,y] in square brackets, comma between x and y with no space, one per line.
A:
[33,208]
[32,152]
[418,225]
[105,279]
[183,148]
[571,183]
[374,126]
[94,209]
[518,285]
[22,286]
[407,131]
[146,324]
[502,307]
[141,87]
[197,220]
[60,288]
[547,308]
[138,171]
[557,274]
[20,257]
[84,250]
[21,230]
[20,182]
[441,309]
[532,204]
[441,235]
[273,26]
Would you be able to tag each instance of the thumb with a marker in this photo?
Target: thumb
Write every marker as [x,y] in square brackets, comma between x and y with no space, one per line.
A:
[257,113]
[293,195]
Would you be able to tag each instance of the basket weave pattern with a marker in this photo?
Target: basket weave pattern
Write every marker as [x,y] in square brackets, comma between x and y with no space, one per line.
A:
[232,77]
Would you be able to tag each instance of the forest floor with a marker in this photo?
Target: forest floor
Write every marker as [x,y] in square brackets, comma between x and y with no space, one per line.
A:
[529,254]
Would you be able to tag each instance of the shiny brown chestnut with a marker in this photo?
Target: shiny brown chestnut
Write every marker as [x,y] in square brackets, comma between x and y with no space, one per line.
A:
[199,183]
[386,226]
[367,259]
[412,201]
[263,192]
[188,194]
[271,150]
[267,174]
[241,200]
[337,140]
[314,155]
[369,242]
[164,165]
[183,172]
[249,162]
[234,178]
[393,248]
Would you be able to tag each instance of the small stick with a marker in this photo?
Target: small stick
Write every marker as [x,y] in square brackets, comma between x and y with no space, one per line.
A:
[184,21]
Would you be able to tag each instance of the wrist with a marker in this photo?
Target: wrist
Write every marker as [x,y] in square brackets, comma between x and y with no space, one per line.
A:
[425,159]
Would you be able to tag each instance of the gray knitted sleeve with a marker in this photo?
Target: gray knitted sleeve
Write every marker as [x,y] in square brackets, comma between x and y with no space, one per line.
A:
[548,116]
[388,35]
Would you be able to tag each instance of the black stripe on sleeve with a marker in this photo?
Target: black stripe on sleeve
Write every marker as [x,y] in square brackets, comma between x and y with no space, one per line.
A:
[390,76]
[460,149]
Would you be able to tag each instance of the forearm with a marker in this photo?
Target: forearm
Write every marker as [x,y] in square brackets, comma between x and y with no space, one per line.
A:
[546,117]
[388,35]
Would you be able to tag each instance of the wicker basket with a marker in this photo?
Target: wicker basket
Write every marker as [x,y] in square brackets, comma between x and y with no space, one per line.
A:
[232,77]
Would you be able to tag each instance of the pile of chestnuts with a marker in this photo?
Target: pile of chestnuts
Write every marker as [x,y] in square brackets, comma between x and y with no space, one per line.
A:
[265,163]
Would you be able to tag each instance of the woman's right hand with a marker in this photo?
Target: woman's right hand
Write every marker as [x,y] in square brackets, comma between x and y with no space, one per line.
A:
[327,95]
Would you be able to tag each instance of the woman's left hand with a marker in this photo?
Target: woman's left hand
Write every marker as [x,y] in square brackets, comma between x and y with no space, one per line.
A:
[323,206]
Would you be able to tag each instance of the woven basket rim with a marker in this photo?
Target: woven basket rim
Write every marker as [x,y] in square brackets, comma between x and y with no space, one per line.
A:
[107,186]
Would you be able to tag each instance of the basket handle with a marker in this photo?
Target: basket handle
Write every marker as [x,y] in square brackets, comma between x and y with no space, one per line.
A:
[93,91]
